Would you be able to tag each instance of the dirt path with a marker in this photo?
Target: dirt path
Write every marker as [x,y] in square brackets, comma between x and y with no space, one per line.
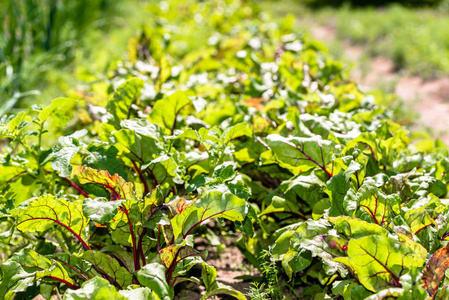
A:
[428,98]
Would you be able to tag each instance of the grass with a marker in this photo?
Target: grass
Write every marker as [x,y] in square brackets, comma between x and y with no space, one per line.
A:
[415,39]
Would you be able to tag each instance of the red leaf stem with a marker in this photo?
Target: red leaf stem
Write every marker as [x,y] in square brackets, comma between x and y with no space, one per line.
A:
[72,267]
[72,286]
[141,177]
[133,238]
[73,184]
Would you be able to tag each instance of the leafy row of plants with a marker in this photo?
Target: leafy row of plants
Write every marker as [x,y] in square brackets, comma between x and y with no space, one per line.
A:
[223,116]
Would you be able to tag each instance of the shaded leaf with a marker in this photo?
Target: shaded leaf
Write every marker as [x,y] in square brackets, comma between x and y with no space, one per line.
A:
[109,267]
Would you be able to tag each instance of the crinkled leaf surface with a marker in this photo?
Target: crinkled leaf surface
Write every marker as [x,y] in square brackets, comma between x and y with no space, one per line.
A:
[25,267]
[337,189]
[100,210]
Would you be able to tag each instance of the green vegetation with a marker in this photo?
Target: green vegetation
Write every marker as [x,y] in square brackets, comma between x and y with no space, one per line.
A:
[373,3]
[416,40]
[224,124]
[42,43]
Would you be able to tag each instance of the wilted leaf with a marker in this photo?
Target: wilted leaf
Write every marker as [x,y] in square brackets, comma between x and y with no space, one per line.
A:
[435,270]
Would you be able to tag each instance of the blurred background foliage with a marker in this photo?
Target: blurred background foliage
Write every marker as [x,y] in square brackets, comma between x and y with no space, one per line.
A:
[414,34]
[375,3]
[51,47]
[41,39]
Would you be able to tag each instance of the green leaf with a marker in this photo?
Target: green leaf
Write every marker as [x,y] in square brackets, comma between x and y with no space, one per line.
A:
[380,261]
[126,258]
[95,289]
[302,154]
[61,160]
[135,146]
[143,127]
[374,206]
[14,126]
[337,189]
[126,94]
[102,157]
[224,171]
[25,267]
[109,267]
[355,228]
[209,274]
[74,265]
[281,205]
[14,279]
[165,111]
[309,186]
[241,129]
[213,204]
[295,261]
[47,211]
[281,245]
[222,289]
[142,293]
[162,168]
[100,210]
[152,276]
[56,109]
[419,219]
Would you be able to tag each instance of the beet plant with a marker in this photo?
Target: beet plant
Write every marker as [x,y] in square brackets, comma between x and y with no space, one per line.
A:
[247,128]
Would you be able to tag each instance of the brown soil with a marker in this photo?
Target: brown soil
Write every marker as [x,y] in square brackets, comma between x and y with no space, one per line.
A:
[429,98]
[230,263]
